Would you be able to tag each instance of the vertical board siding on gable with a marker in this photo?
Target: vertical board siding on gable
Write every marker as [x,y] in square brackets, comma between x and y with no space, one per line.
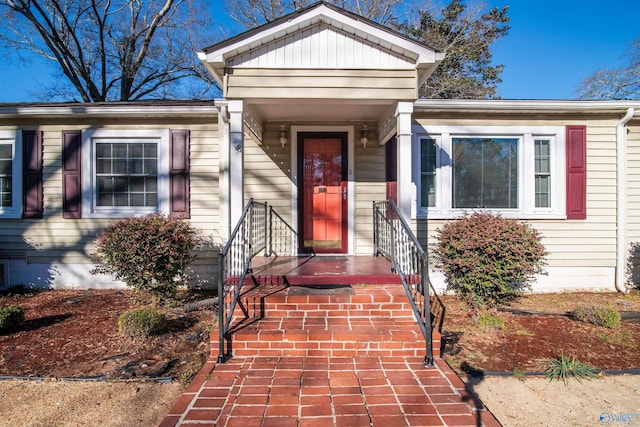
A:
[55,239]
[331,48]
[571,243]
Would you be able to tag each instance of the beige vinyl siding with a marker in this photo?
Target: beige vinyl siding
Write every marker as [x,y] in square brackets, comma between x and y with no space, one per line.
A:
[570,243]
[54,239]
[321,83]
[633,200]
[370,178]
[267,171]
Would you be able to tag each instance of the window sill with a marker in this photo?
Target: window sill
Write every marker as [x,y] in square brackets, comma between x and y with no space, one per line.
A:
[504,214]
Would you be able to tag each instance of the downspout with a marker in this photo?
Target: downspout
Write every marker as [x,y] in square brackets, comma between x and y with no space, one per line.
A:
[621,201]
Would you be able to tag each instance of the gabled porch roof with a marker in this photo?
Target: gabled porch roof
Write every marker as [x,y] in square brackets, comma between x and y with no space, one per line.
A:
[392,48]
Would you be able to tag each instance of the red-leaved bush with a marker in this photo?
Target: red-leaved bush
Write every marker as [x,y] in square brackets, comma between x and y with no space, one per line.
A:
[487,259]
[148,253]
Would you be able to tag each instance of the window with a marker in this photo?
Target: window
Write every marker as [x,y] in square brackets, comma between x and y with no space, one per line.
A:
[516,171]
[543,173]
[485,173]
[428,164]
[10,174]
[129,172]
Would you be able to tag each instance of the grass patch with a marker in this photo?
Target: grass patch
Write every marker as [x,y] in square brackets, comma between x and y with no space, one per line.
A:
[490,322]
[525,332]
[619,338]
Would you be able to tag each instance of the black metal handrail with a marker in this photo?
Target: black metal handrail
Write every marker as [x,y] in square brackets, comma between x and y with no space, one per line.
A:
[394,239]
[248,239]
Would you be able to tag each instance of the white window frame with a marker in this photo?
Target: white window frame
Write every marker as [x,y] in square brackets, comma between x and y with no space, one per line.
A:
[526,135]
[14,137]
[89,139]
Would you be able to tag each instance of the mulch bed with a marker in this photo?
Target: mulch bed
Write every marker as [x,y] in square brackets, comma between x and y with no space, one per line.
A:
[536,327]
[74,333]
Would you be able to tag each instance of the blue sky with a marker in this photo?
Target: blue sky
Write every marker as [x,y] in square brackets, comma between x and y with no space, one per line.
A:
[551,47]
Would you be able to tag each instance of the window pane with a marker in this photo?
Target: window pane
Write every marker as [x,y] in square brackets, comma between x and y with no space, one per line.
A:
[543,173]
[6,167]
[6,151]
[6,199]
[103,150]
[150,150]
[103,165]
[428,190]
[428,165]
[485,173]
[135,150]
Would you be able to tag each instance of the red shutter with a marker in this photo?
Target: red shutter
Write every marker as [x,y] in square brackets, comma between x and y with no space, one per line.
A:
[576,172]
[32,194]
[179,174]
[71,174]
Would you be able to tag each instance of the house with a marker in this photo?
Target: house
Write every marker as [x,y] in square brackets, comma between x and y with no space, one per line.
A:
[320,113]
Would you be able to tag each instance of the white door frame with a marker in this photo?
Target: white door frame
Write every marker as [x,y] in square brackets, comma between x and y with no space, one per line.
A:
[349,130]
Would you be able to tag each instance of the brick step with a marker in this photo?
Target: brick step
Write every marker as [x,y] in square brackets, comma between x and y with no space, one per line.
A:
[366,324]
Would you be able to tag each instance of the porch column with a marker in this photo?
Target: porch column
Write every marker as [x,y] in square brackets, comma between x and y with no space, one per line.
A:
[404,110]
[236,161]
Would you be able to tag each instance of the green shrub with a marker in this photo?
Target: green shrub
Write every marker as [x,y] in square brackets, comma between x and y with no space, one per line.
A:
[487,259]
[148,253]
[599,315]
[11,317]
[142,322]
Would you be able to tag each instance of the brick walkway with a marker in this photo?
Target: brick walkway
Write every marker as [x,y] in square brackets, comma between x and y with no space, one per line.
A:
[321,391]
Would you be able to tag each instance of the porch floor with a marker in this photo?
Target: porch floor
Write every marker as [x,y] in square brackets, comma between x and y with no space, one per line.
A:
[326,270]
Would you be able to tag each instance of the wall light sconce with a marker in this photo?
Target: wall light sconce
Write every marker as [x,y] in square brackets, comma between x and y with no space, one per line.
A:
[283,136]
[364,135]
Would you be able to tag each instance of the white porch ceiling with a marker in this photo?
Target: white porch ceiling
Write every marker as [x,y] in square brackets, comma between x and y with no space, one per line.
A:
[315,110]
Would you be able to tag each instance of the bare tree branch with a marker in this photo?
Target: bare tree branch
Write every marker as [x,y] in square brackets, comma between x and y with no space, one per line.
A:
[616,83]
[113,49]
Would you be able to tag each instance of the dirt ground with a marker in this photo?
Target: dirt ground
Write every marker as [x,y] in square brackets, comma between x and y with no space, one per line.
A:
[75,334]
[85,403]
[612,400]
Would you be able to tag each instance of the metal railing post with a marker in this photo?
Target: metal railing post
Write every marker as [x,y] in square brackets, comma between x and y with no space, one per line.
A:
[221,309]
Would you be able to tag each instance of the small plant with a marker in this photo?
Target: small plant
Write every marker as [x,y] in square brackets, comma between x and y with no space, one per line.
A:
[487,259]
[11,317]
[519,374]
[142,322]
[149,253]
[490,322]
[564,367]
[599,315]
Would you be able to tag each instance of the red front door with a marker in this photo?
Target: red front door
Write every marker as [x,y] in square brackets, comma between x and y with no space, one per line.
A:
[323,187]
